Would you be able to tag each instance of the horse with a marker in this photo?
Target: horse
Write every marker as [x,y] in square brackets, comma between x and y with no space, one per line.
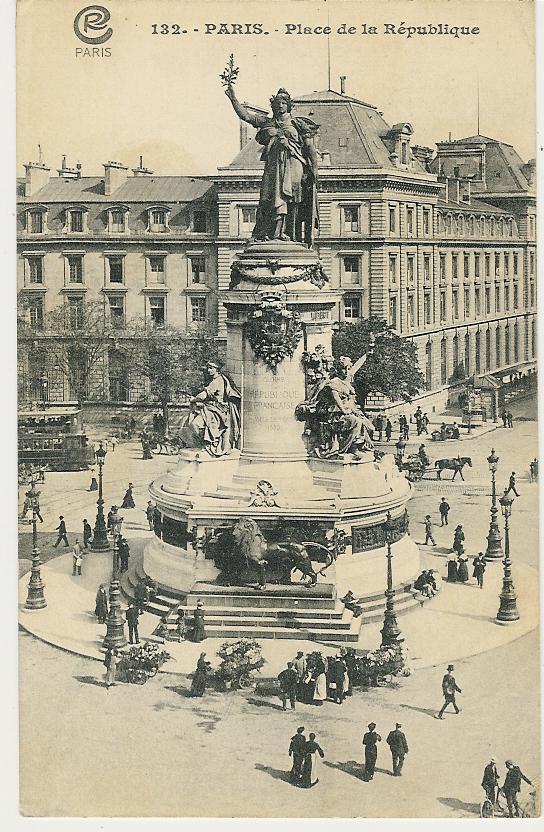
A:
[456,465]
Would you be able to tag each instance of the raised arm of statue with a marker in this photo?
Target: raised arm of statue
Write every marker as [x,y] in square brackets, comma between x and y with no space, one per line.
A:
[255,119]
[358,364]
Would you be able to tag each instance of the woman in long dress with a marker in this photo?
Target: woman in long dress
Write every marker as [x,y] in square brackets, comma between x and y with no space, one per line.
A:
[199,633]
[110,661]
[200,677]
[462,567]
[452,568]
[213,422]
[128,499]
[320,690]
[101,605]
[309,766]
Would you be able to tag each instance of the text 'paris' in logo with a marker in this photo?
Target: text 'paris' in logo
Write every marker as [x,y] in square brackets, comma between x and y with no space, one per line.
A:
[93,19]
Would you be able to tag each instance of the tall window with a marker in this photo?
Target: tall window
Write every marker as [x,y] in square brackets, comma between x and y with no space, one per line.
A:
[516,265]
[198,310]
[350,268]
[392,268]
[478,352]
[442,268]
[427,268]
[532,263]
[497,265]
[487,265]
[455,351]
[507,265]
[507,344]
[532,292]
[117,309]
[350,217]
[157,311]
[454,267]
[157,268]
[466,266]
[393,311]
[487,300]
[404,153]
[198,269]
[35,269]
[429,365]
[442,305]
[516,295]
[157,219]
[516,341]
[411,311]
[498,347]
[488,349]
[392,219]
[36,222]
[76,221]
[427,308]
[35,312]
[477,266]
[477,301]
[200,222]
[115,264]
[466,301]
[410,269]
[75,313]
[410,222]
[248,217]
[352,307]
[75,268]
[443,362]
[455,304]
[507,297]
[117,221]
[467,353]
[497,298]
[426,222]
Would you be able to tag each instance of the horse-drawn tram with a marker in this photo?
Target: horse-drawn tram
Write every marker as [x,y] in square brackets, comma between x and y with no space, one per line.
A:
[54,438]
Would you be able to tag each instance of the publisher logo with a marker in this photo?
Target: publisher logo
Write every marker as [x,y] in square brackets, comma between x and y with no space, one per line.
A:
[93,19]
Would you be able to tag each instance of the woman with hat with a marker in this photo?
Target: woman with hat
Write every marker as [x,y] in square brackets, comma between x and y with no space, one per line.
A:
[458,539]
[462,566]
[309,766]
[128,499]
[200,677]
[199,633]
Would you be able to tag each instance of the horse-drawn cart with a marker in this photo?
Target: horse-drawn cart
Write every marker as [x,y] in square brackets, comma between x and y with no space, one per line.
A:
[414,467]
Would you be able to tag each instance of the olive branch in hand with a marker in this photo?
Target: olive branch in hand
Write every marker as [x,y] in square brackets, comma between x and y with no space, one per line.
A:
[230,73]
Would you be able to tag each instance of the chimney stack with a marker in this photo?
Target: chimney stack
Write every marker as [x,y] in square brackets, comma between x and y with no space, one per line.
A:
[115,175]
[140,170]
[36,177]
[68,173]
[343,84]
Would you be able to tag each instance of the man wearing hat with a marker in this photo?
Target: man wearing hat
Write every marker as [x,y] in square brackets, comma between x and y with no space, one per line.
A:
[511,787]
[288,680]
[490,780]
[297,750]
[370,742]
[449,689]
[396,741]
[429,530]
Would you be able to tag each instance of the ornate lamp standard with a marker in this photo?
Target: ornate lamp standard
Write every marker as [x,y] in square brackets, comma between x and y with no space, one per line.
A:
[116,523]
[35,599]
[100,535]
[115,633]
[391,634]
[494,539]
[508,610]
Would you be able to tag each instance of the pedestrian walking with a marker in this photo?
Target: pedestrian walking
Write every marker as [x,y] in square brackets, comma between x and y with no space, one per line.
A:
[309,776]
[297,750]
[512,484]
[510,419]
[94,484]
[112,513]
[452,568]
[123,551]
[288,680]
[338,678]
[113,440]
[150,514]
[504,417]
[87,533]
[128,499]
[350,662]
[535,469]
[77,558]
[478,570]
[180,625]
[199,632]
[370,742]
[101,604]
[396,740]
[449,689]
[319,682]
[429,530]
[444,509]
[458,539]
[141,595]
[61,529]
[424,423]
[110,661]
[388,430]
[132,616]
[490,781]
[200,676]
[161,630]
[462,568]
[511,787]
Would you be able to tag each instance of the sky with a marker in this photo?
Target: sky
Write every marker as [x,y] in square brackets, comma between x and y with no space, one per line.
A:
[159,95]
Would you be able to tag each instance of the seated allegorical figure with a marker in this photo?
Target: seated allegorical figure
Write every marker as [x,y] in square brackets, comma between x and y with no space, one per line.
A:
[213,421]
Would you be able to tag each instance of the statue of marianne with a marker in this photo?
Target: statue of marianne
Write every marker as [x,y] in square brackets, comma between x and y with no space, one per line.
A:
[288,199]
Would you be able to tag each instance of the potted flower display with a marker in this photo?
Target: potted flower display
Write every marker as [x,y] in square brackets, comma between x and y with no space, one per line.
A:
[141,661]
[239,660]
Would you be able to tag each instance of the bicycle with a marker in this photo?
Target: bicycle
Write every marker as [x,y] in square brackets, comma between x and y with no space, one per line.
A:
[527,804]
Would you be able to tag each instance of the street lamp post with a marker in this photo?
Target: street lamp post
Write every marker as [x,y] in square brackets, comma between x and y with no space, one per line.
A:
[494,539]
[100,535]
[508,610]
[35,599]
[115,633]
[391,634]
[116,523]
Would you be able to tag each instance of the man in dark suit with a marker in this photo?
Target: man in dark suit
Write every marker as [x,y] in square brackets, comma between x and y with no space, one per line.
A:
[370,742]
[87,533]
[288,680]
[396,741]
[61,529]
[132,616]
[124,553]
[449,689]
[490,780]
[297,750]
[511,787]
[338,677]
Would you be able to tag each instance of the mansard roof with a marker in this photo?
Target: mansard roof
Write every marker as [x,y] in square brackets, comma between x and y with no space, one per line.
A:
[152,189]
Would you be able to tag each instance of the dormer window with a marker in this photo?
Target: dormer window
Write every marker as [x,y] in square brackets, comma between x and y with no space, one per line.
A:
[200,222]
[76,221]
[35,221]
[117,220]
[158,219]
[404,153]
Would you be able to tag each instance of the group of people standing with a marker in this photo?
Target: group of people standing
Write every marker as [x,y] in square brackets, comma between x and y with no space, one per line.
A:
[315,679]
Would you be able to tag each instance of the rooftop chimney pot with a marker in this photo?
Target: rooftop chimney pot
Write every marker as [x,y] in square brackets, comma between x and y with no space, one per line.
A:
[343,84]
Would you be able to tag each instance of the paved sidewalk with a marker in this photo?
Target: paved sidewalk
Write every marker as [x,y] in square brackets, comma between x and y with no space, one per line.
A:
[456,624]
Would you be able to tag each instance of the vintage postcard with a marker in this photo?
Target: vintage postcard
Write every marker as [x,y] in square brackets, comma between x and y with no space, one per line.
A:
[277,409]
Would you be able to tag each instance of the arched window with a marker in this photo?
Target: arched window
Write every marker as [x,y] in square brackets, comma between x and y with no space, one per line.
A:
[455,351]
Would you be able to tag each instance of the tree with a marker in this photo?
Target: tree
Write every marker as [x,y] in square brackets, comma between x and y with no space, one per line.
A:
[391,369]
[171,359]
[75,336]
